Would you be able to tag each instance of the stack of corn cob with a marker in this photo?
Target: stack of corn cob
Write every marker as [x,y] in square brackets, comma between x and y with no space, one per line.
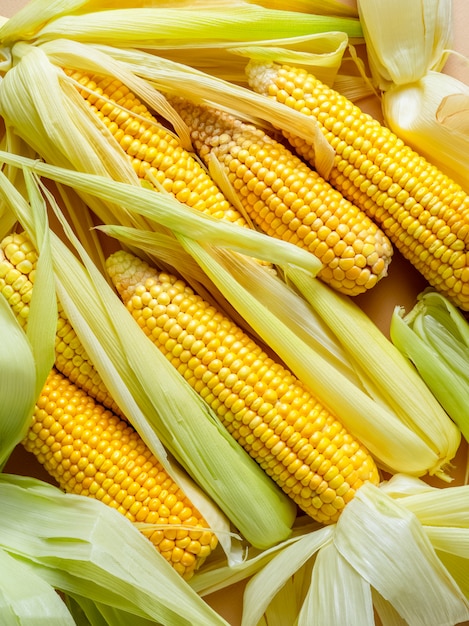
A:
[79,433]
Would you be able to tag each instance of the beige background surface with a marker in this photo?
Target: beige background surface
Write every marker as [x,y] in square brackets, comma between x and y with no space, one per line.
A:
[378,303]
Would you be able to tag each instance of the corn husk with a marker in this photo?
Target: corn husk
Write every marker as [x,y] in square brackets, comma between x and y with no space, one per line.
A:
[387,376]
[399,550]
[321,7]
[423,106]
[153,27]
[68,542]
[204,30]
[37,79]
[26,357]
[17,382]
[434,336]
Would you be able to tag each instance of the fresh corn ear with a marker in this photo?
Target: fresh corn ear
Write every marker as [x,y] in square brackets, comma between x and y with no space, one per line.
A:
[90,451]
[424,213]
[288,200]
[271,414]
[18,260]
[156,155]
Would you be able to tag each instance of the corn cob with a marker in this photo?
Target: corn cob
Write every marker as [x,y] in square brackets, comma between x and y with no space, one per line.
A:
[156,155]
[298,442]
[18,259]
[423,212]
[288,200]
[90,451]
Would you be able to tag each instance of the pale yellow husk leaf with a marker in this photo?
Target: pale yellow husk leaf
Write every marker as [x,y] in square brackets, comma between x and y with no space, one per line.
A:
[388,376]
[395,549]
[431,115]
[401,51]
[131,66]
[423,106]
[69,542]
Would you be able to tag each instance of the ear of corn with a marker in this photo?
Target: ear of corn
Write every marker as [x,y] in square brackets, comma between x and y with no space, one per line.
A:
[156,155]
[424,213]
[269,412]
[18,260]
[386,405]
[290,201]
[92,452]
[152,397]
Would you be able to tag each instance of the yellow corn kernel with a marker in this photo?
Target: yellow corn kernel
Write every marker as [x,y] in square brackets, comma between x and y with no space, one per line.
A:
[288,200]
[90,451]
[18,259]
[423,212]
[155,154]
[266,409]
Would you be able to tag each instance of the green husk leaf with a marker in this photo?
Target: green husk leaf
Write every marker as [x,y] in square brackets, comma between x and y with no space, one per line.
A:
[25,597]
[168,211]
[42,320]
[434,336]
[154,28]
[85,612]
[17,382]
[70,541]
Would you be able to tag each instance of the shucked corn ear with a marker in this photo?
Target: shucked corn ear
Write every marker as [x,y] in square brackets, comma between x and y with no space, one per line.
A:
[18,260]
[156,155]
[288,200]
[424,213]
[90,451]
[270,413]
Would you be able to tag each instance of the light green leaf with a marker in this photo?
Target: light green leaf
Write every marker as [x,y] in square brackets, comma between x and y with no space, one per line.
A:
[25,598]
[42,319]
[70,541]
[86,612]
[17,382]
[151,28]
[434,336]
